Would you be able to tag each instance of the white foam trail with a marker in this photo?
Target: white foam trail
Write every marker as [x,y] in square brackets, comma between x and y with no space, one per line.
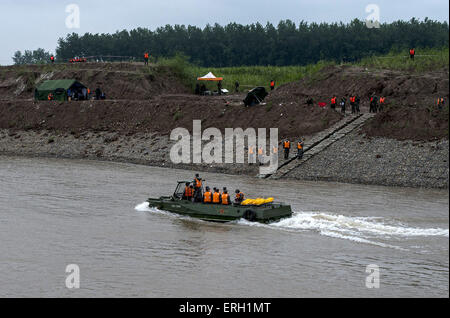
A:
[353,225]
[143,207]
[358,229]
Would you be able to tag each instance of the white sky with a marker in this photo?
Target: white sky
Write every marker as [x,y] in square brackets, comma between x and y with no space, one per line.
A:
[30,24]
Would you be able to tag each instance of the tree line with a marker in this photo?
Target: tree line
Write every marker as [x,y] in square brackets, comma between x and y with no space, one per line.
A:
[287,43]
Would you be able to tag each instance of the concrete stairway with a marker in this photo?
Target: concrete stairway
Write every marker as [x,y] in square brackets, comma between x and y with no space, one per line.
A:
[320,142]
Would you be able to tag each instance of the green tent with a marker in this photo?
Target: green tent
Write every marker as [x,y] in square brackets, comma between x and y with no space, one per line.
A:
[59,89]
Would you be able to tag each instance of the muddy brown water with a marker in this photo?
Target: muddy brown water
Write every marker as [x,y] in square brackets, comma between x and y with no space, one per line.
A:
[59,212]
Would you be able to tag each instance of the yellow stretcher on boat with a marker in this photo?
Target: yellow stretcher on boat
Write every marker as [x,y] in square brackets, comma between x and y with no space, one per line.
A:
[258,201]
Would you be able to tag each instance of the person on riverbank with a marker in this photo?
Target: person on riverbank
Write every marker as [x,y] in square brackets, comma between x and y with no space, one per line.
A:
[146,58]
[236,87]
[287,148]
[343,103]
[219,87]
[412,53]
[251,155]
[272,85]
[373,104]
[357,105]
[261,156]
[300,146]
[440,103]
[382,102]
[333,102]
[353,104]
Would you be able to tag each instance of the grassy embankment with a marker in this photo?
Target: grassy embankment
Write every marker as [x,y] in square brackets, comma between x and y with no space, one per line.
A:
[251,76]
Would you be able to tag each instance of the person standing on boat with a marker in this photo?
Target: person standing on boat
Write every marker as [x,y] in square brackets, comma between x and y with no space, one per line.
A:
[198,195]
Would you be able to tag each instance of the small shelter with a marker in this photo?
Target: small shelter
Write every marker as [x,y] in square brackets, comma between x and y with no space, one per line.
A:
[59,89]
[210,77]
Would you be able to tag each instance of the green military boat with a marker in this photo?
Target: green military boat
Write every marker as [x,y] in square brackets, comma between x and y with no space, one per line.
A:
[264,213]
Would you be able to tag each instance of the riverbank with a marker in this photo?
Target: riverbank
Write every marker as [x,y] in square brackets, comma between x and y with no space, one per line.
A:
[353,159]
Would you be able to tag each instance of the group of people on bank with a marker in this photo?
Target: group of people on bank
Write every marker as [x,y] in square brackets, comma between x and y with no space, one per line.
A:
[194,192]
[376,104]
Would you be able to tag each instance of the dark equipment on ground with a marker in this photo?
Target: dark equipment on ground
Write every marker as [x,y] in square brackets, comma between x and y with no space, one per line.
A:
[255,96]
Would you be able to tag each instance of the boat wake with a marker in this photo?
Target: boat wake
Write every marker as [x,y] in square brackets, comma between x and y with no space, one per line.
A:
[368,230]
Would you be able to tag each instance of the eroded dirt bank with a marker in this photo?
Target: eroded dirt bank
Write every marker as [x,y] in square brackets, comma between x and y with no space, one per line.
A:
[405,145]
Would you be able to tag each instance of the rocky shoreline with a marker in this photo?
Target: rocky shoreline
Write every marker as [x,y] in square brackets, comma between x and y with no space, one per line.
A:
[353,159]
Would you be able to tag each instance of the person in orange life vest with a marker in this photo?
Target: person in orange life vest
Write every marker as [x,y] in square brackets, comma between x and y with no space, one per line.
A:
[52,59]
[207,196]
[333,102]
[260,155]
[50,96]
[412,53]
[272,85]
[440,102]
[274,153]
[251,155]
[287,148]
[300,149]
[216,196]
[239,197]
[188,192]
[353,104]
[225,198]
[146,57]
[382,102]
[198,182]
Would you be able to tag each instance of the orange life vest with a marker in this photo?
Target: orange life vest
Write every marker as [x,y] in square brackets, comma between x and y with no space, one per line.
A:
[198,183]
[251,150]
[272,84]
[333,100]
[50,96]
[260,151]
[52,58]
[440,101]
[382,100]
[275,149]
[216,197]
[207,197]
[412,52]
[299,146]
[287,144]
[188,192]
[352,99]
[146,55]
[225,200]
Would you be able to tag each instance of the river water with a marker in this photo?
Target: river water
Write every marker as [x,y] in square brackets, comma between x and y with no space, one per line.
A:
[59,212]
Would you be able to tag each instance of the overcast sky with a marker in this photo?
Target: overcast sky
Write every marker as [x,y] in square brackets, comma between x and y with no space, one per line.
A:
[30,24]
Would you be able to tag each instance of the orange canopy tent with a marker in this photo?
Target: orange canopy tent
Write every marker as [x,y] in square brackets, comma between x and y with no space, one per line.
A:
[210,77]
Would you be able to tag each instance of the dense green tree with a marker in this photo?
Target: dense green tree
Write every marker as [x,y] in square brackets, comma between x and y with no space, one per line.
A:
[286,44]
[39,56]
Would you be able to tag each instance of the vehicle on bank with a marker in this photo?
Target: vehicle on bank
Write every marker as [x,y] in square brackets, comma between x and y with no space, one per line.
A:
[264,213]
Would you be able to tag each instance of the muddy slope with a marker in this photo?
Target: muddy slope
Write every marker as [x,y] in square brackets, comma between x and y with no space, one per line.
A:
[410,112]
